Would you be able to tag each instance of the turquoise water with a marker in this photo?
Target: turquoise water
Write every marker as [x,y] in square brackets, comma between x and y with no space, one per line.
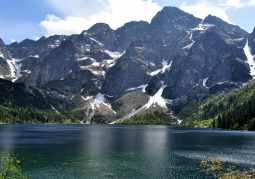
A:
[122,151]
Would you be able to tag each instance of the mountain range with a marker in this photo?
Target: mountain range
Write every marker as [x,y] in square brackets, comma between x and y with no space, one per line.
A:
[138,68]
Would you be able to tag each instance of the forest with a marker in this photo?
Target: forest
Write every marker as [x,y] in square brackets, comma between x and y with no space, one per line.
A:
[235,110]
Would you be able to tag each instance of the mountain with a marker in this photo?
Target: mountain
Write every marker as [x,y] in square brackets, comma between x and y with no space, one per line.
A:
[6,62]
[23,104]
[235,110]
[104,74]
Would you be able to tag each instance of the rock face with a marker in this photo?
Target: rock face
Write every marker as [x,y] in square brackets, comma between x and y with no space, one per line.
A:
[212,59]
[174,55]
[5,62]
[251,41]
[153,86]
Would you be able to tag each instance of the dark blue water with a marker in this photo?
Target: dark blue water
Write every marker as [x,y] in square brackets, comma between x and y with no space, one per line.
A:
[122,151]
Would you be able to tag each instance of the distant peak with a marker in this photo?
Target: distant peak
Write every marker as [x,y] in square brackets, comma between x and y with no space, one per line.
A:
[42,38]
[1,41]
[211,19]
[100,26]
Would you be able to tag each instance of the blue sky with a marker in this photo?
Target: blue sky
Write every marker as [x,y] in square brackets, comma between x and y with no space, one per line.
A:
[21,19]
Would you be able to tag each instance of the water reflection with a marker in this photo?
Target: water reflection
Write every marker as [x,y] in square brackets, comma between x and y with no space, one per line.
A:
[122,151]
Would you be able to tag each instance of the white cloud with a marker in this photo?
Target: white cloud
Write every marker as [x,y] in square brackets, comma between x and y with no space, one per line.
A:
[203,8]
[12,40]
[251,3]
[113,12]
[232,3]
[78,8]
[236,4]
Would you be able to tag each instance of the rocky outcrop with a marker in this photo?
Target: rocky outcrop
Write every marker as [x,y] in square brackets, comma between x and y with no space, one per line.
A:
[130,32]
[214,58]
[40,48]
[129,72]
[153,86]
[251,42]
[5,62]
[235,32]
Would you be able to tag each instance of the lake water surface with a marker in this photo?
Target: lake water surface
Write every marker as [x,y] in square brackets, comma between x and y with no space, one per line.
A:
[122,151]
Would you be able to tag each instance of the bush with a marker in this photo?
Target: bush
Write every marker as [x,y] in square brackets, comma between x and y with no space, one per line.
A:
[218,169]
[10,168]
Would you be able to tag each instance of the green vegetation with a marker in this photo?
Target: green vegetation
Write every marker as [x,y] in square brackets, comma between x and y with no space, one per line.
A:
[19,104]
[218,169]
[235,110]
[187,111]
[150,118]
[10,168]
[116,105]
[98,119]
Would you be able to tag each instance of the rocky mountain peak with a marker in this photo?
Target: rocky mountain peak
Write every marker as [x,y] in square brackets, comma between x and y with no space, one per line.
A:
[172,17]
[99,27]
[233,30]
[1,43]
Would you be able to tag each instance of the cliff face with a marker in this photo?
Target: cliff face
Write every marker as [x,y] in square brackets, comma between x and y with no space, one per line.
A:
[7,66]
[251,42]
[212,59]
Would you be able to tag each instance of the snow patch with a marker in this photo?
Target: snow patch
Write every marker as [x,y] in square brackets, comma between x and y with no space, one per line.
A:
[239,39]
[155,72]
[152,64]
[2,55]
[109,61]
[143,89]
[111,65]
[82,90]
[204,82]
[157,98]
[163,69]
[202,27]
[15,67]
[85,58]
[114,54]
[189,46]
[26,71]
[91,70]
[96,64]
[87,98]
[35,56]
[165,66]
[54,108]
[135,88]
[97,41]
[96,101]
[250,58]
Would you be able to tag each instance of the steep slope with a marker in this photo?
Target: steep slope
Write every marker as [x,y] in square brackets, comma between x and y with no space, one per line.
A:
[153,53]
[212,59]
[235,32]
[5,62]
[251,41]
[235,110]
[22,104]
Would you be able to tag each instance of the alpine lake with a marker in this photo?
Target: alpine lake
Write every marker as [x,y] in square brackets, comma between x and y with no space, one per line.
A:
[122,151]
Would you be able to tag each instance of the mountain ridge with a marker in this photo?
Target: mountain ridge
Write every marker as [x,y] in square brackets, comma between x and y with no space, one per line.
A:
[101,71]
